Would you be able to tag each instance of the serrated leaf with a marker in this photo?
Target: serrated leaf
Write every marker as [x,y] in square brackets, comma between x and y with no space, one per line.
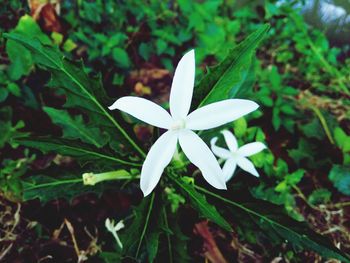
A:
[83,152]
[66,186]
[224,80]
[82,91]
[201,205]
[277,225]
[75,128]
[47,188]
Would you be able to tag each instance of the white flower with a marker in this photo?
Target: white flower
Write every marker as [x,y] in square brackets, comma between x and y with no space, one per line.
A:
[180,125]
[236,156]
[114,228]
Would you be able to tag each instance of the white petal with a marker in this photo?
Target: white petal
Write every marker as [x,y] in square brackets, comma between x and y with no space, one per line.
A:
[218,151]
[229,168]
[200,155]
[219,113]
[251,148]
[230,140]
[182,86]
[157,159]
[247,166]
[144,110]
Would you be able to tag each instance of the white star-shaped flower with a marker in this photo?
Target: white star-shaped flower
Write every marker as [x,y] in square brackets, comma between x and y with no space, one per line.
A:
[180,125]
[236,156]
[114,228]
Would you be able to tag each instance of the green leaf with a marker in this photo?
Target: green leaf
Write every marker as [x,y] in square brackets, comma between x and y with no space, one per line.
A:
[305,151]
[47,188]
[110,257]
[69,45]
[21,58]
[8,131]
[145,51]
[290,180]
[82,91]
[278,226]
[201,205]
[313,129]
[11,172]
[161,46]
[224,80]
[83,152]
[67,186]
[319,196]
[75,128]
[152,240]
[139,232]
[275,78]
[13,89]
[3,94]
[340,177]
[342,140]
[121,57]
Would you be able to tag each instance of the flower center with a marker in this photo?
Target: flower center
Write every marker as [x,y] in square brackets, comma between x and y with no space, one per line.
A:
[178,125]
[235,155]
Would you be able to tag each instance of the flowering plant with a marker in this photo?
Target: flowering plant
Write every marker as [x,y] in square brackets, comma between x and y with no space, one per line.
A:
[104,145]
[180,125]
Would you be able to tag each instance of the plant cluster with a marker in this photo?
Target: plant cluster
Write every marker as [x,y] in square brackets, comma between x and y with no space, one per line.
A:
[64,63]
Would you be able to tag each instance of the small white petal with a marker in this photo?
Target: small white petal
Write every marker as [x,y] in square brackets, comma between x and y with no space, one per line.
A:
[109,224]
[247,166]
[157,159]
[230,140]
[219,113]
[229,168]
[251,148]
[119,225]
[200,155]
[144,110]
[182,86]
[218,151]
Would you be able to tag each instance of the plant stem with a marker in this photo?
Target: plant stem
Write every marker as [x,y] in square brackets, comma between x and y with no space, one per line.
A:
[146,225]
[323,122]
[167,236]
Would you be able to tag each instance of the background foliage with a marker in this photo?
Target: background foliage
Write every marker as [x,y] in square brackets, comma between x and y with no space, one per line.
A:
[54,126]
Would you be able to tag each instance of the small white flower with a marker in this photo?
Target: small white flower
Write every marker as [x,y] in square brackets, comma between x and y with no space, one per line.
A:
[114,228]
[236,156]
[180,125]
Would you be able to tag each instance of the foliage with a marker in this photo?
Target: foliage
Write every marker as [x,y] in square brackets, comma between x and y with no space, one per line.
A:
[340,176]
[302,87]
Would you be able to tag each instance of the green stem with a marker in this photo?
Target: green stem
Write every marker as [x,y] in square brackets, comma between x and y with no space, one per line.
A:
[146,225]
[236,205]
[167,236]
[55,183]
[323,123]
[116,124]
[104,156]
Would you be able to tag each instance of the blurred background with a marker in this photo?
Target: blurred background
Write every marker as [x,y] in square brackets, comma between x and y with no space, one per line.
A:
[300,78]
